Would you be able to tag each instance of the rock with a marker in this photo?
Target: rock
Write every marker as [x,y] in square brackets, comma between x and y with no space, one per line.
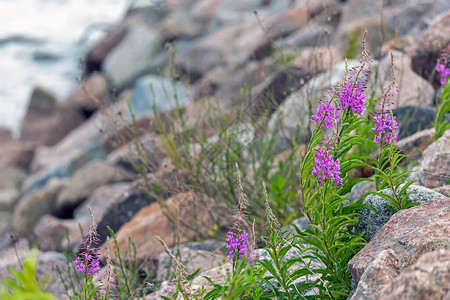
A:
[380,272]
[371,221]
[444,190]
[189,210]
[85,181]
[46,121]
[271,92]
[96,56]
[11,177]
[33,206]
[410,18]
[412,119]
[233,44]
[434,168]
[360,189]
[94,139]
[17,154]
[427,278]
[97,86]
[149,153]
[50,231]
[290,122]
[218,275]
[421,95]
[154,92]
[42,105]
[428,47]
[191,258]
[134,56]
[46,266]
[8,197]
[80,146]
[5,217]
[308,36]
[5,135]
[414,145]
[407,235]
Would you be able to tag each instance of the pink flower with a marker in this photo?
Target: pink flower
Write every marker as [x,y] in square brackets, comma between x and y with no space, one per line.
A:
[326,167]
[326,115]
[353,98]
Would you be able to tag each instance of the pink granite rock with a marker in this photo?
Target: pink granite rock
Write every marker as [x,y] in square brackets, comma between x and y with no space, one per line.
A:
[428,278]
[408,234]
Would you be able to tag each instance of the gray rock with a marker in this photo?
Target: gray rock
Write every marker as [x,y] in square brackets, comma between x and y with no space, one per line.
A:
[412,119]
[128,157]
[35,205]
[50,231]
[85,181]
[8,198]
[307,36]
[410,18]
[434,168]
[158,93]
[360,189]
[290,122]
[192,258]
[135,55]
[370,221]
[11,177]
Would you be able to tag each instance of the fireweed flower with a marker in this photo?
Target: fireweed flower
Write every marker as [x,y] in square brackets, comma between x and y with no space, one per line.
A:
[442,63]
[237,245]
[445,72]
[237,242]
[386,127]
[352,96]
[326,167]
[326,114]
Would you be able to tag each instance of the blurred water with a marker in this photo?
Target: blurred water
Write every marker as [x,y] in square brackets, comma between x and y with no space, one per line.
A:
[41,42]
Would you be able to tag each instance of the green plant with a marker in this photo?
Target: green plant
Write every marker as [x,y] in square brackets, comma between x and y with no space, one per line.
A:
[24,284]
[443,108]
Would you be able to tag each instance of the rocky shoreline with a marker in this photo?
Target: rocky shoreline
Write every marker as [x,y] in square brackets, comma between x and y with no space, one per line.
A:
[80,152]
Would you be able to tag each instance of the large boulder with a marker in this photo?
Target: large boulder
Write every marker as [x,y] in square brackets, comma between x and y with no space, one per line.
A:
[158,93]
[434,168]
[422,92]
[134,56]
[408,234]
[50,232]
[189,212]
[94,88]
[429,44]
[147,150]
[33,206]
[46,121]
[427,278]
[85,181]
[204,255]
[371,221]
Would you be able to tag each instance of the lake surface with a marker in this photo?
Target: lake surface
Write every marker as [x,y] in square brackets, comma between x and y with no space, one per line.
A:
[41,43]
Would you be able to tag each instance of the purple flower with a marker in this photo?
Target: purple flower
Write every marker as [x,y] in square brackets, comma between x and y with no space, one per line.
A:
[237,245]
[87,261]
[326,167]
[386,127]
[352,97]
[79,265]
[326,114]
